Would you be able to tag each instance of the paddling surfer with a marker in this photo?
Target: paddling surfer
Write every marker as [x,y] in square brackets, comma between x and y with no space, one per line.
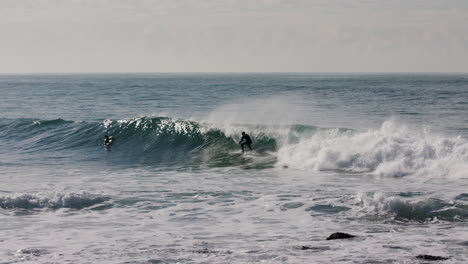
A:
[108,140]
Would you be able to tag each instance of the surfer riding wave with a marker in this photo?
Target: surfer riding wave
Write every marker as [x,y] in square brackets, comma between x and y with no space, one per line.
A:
[245,140]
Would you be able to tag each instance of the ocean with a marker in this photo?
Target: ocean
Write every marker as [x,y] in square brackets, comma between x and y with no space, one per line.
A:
[383,157]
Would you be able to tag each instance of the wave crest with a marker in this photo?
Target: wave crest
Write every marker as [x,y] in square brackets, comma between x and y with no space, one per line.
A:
[179,142]
[392,150]
[422,210]
[51,200]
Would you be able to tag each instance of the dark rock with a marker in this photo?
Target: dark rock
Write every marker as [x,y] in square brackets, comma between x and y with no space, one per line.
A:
[429,257]
[339,235]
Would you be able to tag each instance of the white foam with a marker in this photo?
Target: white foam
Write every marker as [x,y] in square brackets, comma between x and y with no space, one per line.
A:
[393,150]
[420,209]
[53,200]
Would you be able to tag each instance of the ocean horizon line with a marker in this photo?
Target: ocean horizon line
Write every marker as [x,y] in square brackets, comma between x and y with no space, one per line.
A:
[233,72]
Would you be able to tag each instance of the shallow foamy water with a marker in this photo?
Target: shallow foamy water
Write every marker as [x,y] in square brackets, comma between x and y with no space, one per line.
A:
[233,216]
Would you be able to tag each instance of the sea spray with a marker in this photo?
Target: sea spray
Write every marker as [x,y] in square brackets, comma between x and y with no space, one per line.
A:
[392,150]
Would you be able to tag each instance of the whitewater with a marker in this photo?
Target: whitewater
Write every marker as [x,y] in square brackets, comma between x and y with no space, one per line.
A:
[383,157]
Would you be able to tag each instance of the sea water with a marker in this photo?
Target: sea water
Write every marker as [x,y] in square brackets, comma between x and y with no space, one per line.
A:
[383,157]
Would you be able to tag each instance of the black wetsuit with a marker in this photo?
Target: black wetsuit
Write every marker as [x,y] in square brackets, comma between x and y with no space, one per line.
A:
[245,140]
[108,141]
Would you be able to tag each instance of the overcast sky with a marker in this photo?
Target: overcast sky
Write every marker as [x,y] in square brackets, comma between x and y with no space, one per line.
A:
[233,36]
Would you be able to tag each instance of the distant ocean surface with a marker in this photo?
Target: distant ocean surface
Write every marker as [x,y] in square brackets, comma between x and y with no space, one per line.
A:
[383,157]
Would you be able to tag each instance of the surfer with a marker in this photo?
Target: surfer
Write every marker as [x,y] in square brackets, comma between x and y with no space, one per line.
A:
[108,140]
[245,140]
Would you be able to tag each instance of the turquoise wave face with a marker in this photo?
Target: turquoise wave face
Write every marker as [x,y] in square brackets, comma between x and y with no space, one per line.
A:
[158,141]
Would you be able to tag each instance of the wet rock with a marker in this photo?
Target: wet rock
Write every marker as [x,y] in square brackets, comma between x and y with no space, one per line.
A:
[429,257]
[339,235]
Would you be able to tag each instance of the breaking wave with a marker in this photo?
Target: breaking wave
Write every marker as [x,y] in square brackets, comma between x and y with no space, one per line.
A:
[404,209]
[51,200]
[394,149]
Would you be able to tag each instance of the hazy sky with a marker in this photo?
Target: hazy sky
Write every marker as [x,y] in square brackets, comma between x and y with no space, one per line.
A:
[233,35]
